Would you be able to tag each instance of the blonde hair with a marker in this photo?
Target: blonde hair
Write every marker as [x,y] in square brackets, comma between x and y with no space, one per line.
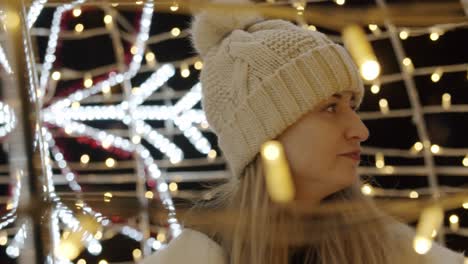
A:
[265,232]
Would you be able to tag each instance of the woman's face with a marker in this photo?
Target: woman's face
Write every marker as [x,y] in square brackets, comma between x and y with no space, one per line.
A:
[316,147]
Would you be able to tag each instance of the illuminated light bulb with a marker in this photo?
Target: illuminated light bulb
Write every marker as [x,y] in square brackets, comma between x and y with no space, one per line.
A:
[404,34]
[161,237]
[205,125]
[366,189]
[136,254]
[277,173]
[139,2]
[198,65]
[407,61]
[418,146]
[340,2]
[379,160]
[110,162]
[454,222]
[150,59]
[68,249]
[75,105]
[98,235]
[76,12]
[375,89]
[373,27]
[356,41]
[435,77]
[156,245]
[84,159]
[383,104]
[103,261]
[9,205]
[56,75]
[115,4]
[107,19]
[434,36]
[149,195]
[446,101]
[79,28]
[434,233]
[408,64]
[212,155]
[88,80]
[3,238]
[173,187]
[431,219]
[465,205]
[81,261]
[465,161]
[133,50]
[163,187]
[184,71]
[312,27]
[38,92]
[175,32]
[414,194]
[107,197]
[174,7]
[79,204]
[435,149]
[136,139]
[107,91]
[68,130]
[389,169]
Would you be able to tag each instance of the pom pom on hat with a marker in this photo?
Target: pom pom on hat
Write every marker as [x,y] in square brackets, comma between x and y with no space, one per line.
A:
[209,28]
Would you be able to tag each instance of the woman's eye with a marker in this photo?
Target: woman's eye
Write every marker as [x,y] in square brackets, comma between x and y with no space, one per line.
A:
[331,108]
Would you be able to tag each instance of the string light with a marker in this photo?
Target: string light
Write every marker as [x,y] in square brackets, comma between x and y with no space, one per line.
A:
[277,173]
[373,27]
[88,80]
[173,187]
[149,195]
[198,65]
[435,149]
[418,146]
[408,64]
[184,71]
[465,161]
[174,7]
[435,77]
[56,75]
[175,32]
[383,104]
[358,45]
[375,88]
[81,261]
[465,205]
[212,155]
[84,159]
[413,194]
[161,237]
[98,235]
[79,28]
[107,197]
[139,2]
[110,162]
[431,219]
[136,254]
[446,101]
[150,59]
[434,233]
[435,33]
[103,261]
[76,12]
[379,160]
[133,50]
[3,238]
[340,2]
[312,27]
[107,19]
[366,189]
[404,34]
[454,222]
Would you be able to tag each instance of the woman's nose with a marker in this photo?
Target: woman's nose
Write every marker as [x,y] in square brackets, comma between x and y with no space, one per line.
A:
[356,129]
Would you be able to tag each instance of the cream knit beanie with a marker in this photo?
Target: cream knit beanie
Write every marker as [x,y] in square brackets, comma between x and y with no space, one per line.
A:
[259,77]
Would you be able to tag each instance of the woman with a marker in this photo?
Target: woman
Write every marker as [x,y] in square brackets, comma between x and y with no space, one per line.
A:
[270,79]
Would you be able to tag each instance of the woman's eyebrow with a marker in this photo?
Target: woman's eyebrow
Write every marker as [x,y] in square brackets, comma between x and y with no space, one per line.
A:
[339,96]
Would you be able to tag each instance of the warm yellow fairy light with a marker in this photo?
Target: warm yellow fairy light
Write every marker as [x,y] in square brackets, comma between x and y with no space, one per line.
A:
[136,254]
[356,41]
[175,32]
[198,65]
[446,101]
[404,34]
[107,19]
[366,189]
[87,81]
[79,204]
[75,105]
[81,261]
[277,173]
[84,159]
[133,50]
[375,89]
[379,160]
[110,162]
[184,71]
[56,75]
[103,261]
[383,103]
[389,169]
[79,28]
[3,238]
[205,125]
[435,149]
[139,2]
[312,27]
[431,219]
[150,58]
[68,248]
[435,77]
[407,61]
[149,194]
[434,36]
[106,90]
[212,154]
[373,27]
[136,139]
[340,2]
[414,194]
[107,197]
[98,235]
[68,130]
[173,187]
[454,222]
[174,7]
[418,146]
[465,161]
[76,12]
[465,205]
[161,237]
[115,4]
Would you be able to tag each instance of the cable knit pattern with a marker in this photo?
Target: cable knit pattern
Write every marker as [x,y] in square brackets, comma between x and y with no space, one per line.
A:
[261,79]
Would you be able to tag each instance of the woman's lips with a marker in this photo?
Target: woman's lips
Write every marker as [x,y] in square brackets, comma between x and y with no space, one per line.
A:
[355,156]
